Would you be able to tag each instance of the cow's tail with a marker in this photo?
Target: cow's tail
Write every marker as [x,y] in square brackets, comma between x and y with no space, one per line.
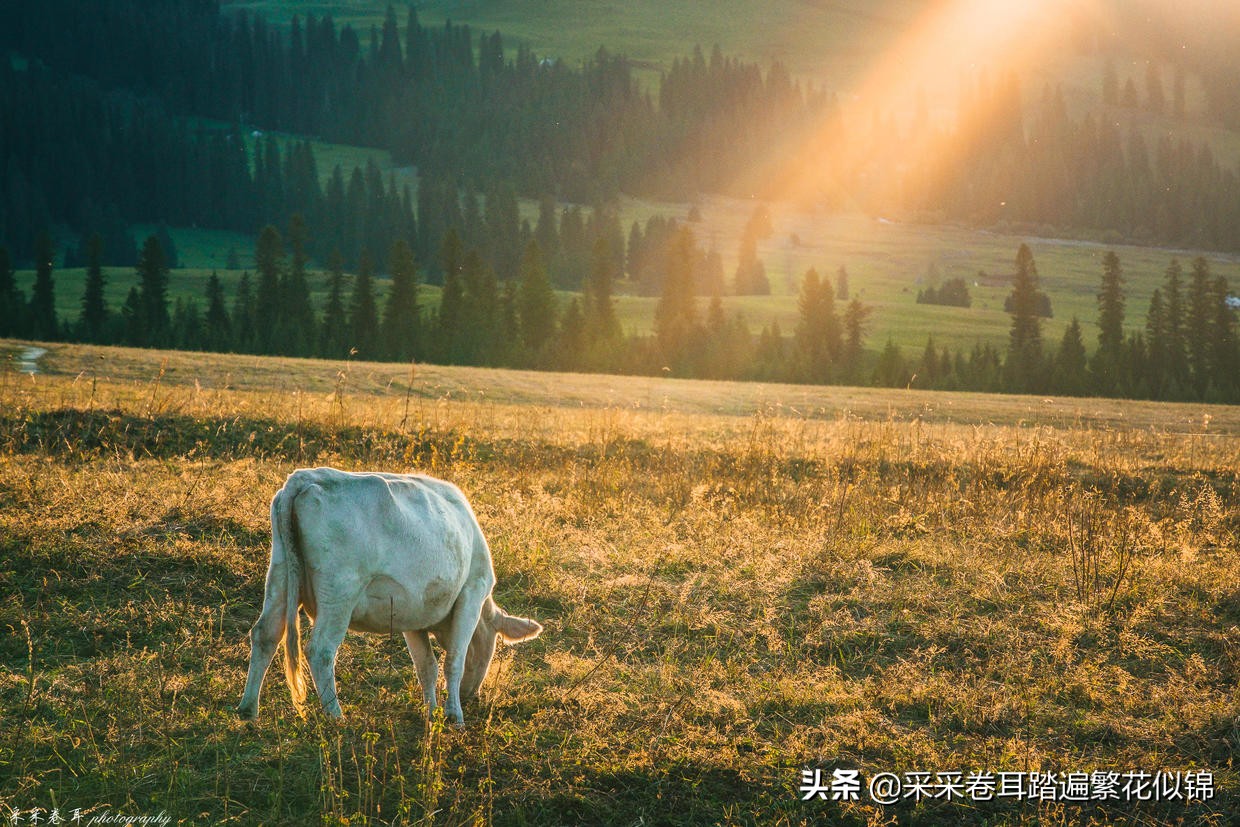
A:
[284,548]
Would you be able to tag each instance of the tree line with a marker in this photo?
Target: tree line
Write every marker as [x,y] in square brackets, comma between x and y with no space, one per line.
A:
[1187,349]
[480,319]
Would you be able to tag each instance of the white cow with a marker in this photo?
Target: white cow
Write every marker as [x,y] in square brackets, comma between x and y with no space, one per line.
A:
[378,553]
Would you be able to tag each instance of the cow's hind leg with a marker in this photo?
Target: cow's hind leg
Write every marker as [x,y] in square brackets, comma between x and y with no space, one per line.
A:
[329,630]
[460,632]
[419,644]
[264,639]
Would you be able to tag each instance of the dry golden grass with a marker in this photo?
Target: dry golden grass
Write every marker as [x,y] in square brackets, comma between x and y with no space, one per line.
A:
[737,582]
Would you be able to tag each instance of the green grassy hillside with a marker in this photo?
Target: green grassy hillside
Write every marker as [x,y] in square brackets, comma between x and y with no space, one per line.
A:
[887,264]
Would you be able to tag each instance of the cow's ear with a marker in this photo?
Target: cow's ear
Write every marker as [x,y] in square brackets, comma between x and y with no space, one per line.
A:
[516,629]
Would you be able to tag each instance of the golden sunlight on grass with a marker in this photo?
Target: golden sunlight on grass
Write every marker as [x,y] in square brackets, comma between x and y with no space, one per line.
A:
[731,593]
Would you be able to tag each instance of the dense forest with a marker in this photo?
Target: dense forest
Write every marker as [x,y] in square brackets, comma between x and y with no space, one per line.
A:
[126,111]
[123,112]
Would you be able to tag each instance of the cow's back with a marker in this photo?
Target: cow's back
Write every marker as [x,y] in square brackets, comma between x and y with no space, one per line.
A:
[396,548]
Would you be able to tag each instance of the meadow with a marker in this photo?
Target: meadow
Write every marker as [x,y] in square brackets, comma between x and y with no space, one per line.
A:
[887,263]
[738,582]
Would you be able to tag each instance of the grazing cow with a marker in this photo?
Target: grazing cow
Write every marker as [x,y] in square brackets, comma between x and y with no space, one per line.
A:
[378,553]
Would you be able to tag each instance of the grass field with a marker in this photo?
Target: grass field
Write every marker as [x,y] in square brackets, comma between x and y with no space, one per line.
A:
[737,582]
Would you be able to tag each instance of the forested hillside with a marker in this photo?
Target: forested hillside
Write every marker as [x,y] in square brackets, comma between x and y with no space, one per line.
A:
[103,85]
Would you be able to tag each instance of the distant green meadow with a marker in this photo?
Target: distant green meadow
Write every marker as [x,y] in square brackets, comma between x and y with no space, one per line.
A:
[887,263]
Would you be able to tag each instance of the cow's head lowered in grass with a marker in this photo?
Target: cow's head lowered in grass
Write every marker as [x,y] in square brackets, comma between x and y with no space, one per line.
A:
[378,553]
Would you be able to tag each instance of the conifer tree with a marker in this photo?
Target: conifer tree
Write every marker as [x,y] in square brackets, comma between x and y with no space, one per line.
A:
[334,339]
[297,335]
[401,319]
[675,315]
[43,321]
[890,370]
[817,334]
[855,316]
[546,232]
[478,340]
[571,342]
[94,308]
[363,314]
[601,324]
[452,298]
[1069,371]
[133,318]
[1155,336]
[750,278]
[535,302]
[217,326]
[12,302]
[1225,343]
[268,307]
[1200,323]
[152,269]
[841,284]
[1174,338]
[1024,360]
[243,315]
[1109,358]
[186,330]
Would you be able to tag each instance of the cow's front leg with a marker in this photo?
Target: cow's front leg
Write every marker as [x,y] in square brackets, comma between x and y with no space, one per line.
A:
[460,632]
[419,644]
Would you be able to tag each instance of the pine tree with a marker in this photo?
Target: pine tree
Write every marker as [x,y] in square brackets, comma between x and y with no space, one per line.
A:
[1155,335]
[890,370]
[1174,336]
[675,315]
[841,284]
[43,321]
[243,316]
[334,339]
[297,336]
[1200,323]
[478,339]
[855,316]
[570,344]
[451,298]
[401,319]
[363,315]
[217,326]
[546,232]
[1109,358]
[186,329]
[750,278]
[1024,360]
[156,327]
[1069,372]
[133,318]
[601,324]
[12,302]
[268,307]
[1225,343]
[817,334]
[94,317]
[535,302]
